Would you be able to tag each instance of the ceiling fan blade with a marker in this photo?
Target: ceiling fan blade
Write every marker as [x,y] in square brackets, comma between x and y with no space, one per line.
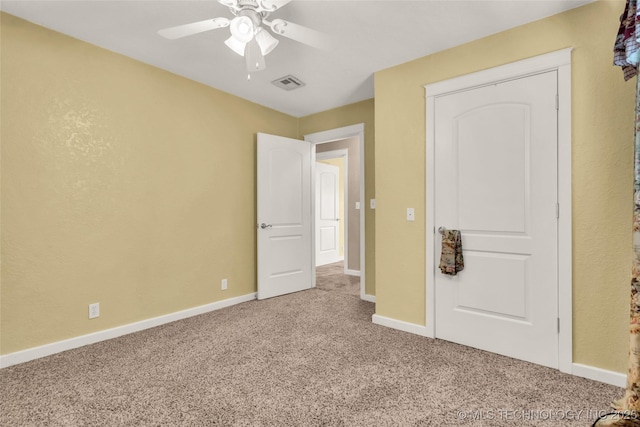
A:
[300,33]
[272,5]
[230,3]
[253,56]
[193,28]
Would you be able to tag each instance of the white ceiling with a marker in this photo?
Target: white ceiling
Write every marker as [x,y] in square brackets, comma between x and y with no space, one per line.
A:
[367,36]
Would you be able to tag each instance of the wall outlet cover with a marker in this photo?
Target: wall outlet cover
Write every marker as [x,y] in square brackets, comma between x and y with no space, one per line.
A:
[94,310]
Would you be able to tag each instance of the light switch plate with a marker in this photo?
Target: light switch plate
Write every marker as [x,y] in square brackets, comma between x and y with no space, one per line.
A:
[411,215]
[372,203]
[357,205]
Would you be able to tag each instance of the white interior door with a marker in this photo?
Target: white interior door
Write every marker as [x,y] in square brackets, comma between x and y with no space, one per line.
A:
[496,181]
[327,214]
[284,215]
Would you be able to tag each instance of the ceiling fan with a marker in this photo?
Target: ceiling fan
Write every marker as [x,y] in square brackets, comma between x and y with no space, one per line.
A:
[249,37]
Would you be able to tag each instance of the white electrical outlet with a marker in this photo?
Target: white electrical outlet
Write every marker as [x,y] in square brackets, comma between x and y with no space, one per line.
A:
[223,284]
[94,310]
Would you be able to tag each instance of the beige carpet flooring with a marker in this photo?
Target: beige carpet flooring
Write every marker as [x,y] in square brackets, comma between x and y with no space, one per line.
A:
[312,358]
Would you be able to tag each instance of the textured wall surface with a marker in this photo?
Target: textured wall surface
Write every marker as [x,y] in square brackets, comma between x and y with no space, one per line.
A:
[602,174]
[130,186]
[121,184]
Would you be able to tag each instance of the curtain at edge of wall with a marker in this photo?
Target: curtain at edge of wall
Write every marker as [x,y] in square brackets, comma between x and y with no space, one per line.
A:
[626,52]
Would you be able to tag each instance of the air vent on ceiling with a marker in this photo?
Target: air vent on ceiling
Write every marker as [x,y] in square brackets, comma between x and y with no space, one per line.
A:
[288,82]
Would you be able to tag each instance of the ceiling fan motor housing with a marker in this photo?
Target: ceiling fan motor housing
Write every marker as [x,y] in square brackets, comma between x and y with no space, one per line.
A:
[256,17]
[247,3]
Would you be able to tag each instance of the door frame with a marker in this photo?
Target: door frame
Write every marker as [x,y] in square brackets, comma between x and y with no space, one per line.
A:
[342,153]
[332,135]
[559,61]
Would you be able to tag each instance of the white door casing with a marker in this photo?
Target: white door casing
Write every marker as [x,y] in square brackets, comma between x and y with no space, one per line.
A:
[327,214]
[481,304]
[284,215]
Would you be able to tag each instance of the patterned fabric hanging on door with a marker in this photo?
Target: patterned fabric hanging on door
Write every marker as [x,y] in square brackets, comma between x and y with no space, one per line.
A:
[626,51]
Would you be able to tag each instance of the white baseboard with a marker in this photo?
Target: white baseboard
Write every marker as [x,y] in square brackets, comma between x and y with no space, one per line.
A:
[597,374]
[400,325]
[368,298]
[589,372]
[71,343]
[352,272]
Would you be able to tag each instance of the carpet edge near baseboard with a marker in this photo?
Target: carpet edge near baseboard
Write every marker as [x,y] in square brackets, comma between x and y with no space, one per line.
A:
[33,353]
[577,369]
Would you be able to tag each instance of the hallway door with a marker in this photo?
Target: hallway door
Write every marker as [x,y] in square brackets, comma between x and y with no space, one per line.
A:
[327,214]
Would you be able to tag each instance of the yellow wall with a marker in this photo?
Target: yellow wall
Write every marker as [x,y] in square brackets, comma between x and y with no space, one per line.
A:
[602,126]
[121,184]
[359,112]
[130,186]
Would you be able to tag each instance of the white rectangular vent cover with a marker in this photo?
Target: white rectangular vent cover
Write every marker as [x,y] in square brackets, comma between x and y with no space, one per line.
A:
[288,82]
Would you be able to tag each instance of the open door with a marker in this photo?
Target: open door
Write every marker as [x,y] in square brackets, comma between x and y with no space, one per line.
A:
[284,215]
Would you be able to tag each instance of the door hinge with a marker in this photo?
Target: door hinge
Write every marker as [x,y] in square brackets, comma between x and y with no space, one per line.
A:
[557,101]
[557,210]
[558,325]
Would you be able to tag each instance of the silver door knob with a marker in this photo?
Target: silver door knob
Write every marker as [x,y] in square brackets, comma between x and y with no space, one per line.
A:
[263,225]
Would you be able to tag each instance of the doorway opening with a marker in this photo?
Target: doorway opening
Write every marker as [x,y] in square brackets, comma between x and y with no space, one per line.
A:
[331,209]
[347,143]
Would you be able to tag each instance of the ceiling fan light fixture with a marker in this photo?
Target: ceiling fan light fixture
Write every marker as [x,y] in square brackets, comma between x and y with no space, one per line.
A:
[266,41]
[248,36]
[235,45]
[242,28]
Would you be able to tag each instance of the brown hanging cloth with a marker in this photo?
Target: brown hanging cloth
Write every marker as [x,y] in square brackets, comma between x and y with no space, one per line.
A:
[451,260]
